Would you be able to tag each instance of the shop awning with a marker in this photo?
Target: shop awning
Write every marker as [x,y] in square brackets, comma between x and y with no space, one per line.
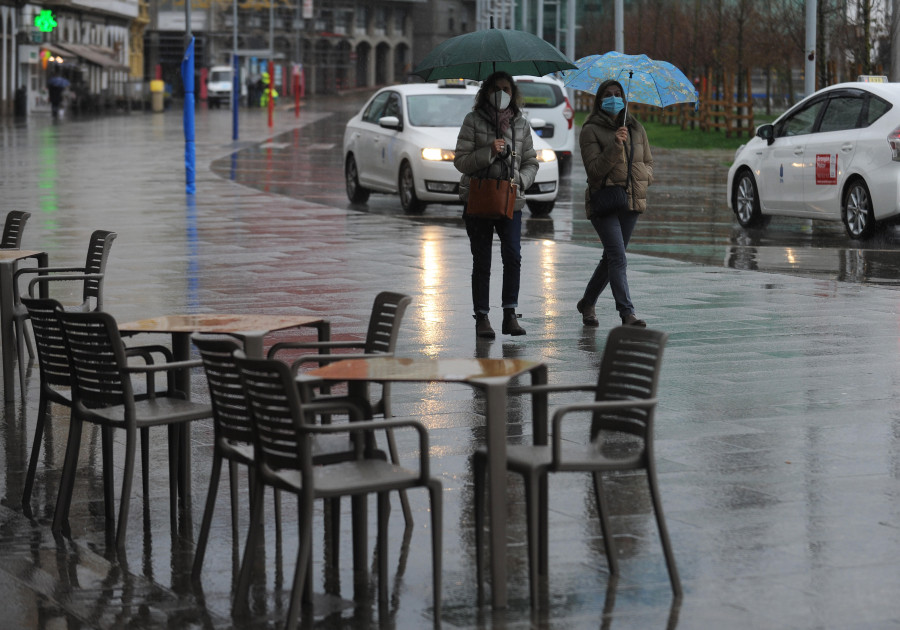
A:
[97,55]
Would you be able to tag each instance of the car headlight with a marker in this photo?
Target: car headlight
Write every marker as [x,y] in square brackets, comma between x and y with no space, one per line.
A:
[438,155]
[546,155]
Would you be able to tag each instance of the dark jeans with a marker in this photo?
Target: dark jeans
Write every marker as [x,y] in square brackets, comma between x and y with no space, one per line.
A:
[481,235]
[614,231]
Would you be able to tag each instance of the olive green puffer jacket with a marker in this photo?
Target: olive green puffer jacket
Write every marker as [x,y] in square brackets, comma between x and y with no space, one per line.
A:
[603,158]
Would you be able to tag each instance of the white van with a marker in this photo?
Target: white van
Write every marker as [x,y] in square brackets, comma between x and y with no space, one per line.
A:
[219,82]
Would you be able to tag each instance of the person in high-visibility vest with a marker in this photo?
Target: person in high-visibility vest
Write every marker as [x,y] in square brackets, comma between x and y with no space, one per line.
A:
[264,99]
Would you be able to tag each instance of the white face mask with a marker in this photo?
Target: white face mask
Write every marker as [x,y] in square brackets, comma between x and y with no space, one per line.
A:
[501,100]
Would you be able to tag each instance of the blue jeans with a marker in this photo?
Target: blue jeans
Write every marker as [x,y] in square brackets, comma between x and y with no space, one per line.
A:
[614,231]
[481,235]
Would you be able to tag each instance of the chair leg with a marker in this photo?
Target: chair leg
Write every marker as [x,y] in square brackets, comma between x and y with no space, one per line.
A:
[145,462]
[205,524]
[603,510]
[233,491]
[43,408]
[479,472]
[174,441]
[20,354]
[303,559]
[395,458]
[437,545]
[663,532]
[532,508]
[241,605]
[109,491]
[384,512]
[67,479]
[127,479]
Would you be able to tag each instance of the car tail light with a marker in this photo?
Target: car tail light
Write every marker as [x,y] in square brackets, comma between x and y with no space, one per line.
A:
[894,140]
[569,113]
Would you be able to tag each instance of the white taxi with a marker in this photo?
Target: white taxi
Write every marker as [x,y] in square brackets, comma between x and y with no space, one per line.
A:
[403,140]
[835,156]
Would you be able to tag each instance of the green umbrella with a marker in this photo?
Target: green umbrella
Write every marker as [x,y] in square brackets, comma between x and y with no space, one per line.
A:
[479,54]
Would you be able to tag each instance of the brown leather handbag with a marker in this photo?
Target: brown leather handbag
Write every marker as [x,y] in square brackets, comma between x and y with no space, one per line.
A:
[491,198]
[494,198]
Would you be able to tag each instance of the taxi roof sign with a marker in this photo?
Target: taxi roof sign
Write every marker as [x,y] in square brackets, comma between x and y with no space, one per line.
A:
[454,83]
[872,78]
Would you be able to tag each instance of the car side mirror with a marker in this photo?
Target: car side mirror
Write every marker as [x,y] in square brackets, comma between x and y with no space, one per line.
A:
[538,123]
[767,133]
[390,122]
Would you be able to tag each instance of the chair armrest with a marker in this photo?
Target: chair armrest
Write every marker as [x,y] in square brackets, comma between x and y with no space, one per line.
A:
[325,345]
[377,425]
[601,405]
[68,277]
[551,389]
[147,351]
[162,367]
[322,359]
[47,270]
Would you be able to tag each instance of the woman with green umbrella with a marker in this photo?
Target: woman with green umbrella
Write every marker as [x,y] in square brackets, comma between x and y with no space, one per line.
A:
[495,131]
[615,152]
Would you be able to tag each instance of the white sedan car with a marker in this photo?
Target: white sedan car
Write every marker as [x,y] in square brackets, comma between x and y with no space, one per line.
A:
[403,141]
[835,156]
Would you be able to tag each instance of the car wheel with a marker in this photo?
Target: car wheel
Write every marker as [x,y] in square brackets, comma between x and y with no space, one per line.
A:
[407,186]
[540,208]
[857,212]
[746,202]
[355,192]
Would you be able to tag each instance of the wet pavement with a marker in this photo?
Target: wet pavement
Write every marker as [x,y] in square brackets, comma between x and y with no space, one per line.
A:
[778,440]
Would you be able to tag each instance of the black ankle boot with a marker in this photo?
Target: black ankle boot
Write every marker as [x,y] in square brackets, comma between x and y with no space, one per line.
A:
[483,326]
[511,323]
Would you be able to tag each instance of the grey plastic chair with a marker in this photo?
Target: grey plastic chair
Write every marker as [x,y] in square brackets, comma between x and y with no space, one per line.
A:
[283,452]
[381,340]
[103,395]
[232,438]
[13,229]
[617,435]
[91,274]
[56,380]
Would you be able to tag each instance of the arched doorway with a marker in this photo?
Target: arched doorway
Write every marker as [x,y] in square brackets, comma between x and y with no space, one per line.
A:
[402,66]
[382,57]
[324,68]
[343,69]
[362,64]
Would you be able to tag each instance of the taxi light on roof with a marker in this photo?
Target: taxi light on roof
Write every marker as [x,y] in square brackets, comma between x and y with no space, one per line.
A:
[437,155]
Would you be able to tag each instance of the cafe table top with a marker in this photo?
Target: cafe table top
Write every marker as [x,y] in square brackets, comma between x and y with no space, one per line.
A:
[219,323]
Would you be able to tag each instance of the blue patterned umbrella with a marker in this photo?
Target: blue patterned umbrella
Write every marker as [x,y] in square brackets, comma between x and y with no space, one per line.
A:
[645,80]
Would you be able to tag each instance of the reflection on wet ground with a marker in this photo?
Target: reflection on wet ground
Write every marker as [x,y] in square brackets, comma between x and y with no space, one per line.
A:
[688,218]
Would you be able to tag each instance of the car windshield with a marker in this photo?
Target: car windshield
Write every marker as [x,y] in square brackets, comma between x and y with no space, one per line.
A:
[438,110]
[540,95]
[220,75]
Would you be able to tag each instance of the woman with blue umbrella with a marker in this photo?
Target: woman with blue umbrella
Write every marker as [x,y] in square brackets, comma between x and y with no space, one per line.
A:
[615,152]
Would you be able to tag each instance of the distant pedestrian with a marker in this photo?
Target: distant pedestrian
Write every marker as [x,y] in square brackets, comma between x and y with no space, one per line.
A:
[611,147]
[485,140]
[56,91]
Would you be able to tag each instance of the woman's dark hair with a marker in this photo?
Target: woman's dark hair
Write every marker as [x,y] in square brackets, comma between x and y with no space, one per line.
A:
[489,86]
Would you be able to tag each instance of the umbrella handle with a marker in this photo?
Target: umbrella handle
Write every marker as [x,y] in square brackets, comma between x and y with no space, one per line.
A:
[627,92]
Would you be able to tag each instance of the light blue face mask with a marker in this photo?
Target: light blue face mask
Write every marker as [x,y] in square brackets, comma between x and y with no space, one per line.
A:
[612,104]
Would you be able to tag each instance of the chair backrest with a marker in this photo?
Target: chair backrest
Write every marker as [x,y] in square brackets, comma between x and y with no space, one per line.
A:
[629,370]
[277,416]
[13,228]
[97,357]
[97,255]
[384,324]
[49,340]
[231,411]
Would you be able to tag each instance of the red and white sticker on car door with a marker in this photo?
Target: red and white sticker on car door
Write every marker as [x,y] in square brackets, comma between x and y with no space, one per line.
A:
[826,169]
